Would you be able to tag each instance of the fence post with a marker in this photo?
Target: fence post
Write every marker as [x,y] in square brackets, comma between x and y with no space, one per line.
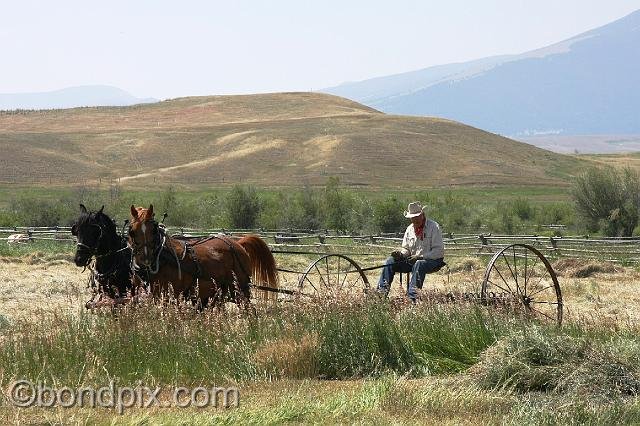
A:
[554,246]
[485,243]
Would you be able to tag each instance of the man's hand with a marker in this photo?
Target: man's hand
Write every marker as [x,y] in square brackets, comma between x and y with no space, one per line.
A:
[414,258]
[397,255]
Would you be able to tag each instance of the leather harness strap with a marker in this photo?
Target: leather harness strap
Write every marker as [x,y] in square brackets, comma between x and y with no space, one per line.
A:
[188,248]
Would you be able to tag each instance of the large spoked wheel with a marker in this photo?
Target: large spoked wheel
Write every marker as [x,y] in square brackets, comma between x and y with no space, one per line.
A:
[519,274]
[333,275]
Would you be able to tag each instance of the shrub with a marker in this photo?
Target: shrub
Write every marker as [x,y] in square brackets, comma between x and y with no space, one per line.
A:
[453,212]
[179,213]
[41,212]
[554,214]
[307,199]
[522,208]
[608,199]
[338,206]
[291,209]
[387,215]
[502,219]
[242,207]
[209,211]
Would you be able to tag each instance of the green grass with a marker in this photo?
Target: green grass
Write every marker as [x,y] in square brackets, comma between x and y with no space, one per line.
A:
[541,194]
[177,345]
[39,249]
[386,400]
[434,363]
[334,206]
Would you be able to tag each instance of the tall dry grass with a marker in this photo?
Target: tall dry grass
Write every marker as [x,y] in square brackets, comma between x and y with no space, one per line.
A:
[176,344]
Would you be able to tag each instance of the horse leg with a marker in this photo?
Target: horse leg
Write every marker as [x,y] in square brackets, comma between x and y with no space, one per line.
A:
[200,299]
[242,296]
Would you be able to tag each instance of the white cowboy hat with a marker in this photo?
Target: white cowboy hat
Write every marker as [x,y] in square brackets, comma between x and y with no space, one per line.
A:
[414,209]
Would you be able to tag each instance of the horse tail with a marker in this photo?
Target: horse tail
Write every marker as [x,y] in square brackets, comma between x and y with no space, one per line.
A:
[263,264]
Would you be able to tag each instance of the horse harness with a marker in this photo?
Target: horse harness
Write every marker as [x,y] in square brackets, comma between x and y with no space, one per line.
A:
[100,282]
[168,253]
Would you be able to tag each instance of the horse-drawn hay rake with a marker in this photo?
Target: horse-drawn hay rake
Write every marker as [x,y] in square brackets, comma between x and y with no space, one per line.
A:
[518,276]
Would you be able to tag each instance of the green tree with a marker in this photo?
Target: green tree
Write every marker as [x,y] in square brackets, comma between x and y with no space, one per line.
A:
[168,203]
[608,199]
[522,208]
[388,216]
[243,207]
[338,206]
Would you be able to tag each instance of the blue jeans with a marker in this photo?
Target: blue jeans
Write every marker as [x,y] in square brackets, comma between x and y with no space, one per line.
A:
[419,271]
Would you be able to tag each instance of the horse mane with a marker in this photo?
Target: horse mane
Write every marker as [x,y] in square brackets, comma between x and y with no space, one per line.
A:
[97,217]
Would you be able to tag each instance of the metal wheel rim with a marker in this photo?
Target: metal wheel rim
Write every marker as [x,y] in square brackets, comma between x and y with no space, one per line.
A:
[541,299]
[332,282]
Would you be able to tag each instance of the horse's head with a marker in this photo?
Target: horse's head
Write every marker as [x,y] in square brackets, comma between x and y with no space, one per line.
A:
[90,229]
[145,236]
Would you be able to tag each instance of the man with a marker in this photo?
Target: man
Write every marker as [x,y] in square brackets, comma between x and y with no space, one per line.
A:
[422,252]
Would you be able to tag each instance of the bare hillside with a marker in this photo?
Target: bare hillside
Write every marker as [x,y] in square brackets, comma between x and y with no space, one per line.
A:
[272,139]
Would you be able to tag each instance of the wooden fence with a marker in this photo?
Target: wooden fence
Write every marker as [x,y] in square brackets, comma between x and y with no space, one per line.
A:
[626,250]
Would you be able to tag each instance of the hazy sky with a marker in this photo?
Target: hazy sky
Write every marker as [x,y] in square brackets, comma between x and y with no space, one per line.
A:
[174,48]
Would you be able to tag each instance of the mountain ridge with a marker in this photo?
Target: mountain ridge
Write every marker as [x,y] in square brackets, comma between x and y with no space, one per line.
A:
[582,85]
[70,97]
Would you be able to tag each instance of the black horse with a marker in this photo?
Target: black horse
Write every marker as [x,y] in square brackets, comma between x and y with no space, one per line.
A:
[98,238]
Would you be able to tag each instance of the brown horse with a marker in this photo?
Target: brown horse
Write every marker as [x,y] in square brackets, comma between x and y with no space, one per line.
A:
[214,268]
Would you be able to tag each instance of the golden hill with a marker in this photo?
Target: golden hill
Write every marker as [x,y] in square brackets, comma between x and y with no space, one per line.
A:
[271,139]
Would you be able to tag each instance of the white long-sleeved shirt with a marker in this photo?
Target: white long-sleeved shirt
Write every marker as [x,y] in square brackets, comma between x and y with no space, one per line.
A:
[430,247]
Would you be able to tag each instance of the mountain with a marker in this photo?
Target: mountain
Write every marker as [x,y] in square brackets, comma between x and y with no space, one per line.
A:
[588,84]
[80,96]
[288,139]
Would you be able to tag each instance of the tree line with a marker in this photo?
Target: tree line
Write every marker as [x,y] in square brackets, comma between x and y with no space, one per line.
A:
[603,200]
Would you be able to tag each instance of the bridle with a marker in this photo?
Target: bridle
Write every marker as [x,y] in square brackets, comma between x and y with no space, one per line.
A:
[92,250]
[106,254]
[149,245]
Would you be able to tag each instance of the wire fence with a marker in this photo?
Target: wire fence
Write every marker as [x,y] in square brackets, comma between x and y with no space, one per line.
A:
[310,241]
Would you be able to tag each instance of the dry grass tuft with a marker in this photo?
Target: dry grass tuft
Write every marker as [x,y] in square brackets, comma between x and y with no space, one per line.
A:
[579,268]
[467,264]
[289,356]
[596,365]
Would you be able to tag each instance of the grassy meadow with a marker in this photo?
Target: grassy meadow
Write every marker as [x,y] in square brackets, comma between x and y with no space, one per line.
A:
[332,206]
[335,361]
[351,360]
[307,161]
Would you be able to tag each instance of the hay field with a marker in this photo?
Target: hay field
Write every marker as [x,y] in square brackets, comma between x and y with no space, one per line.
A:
[41,293]
[46,283]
